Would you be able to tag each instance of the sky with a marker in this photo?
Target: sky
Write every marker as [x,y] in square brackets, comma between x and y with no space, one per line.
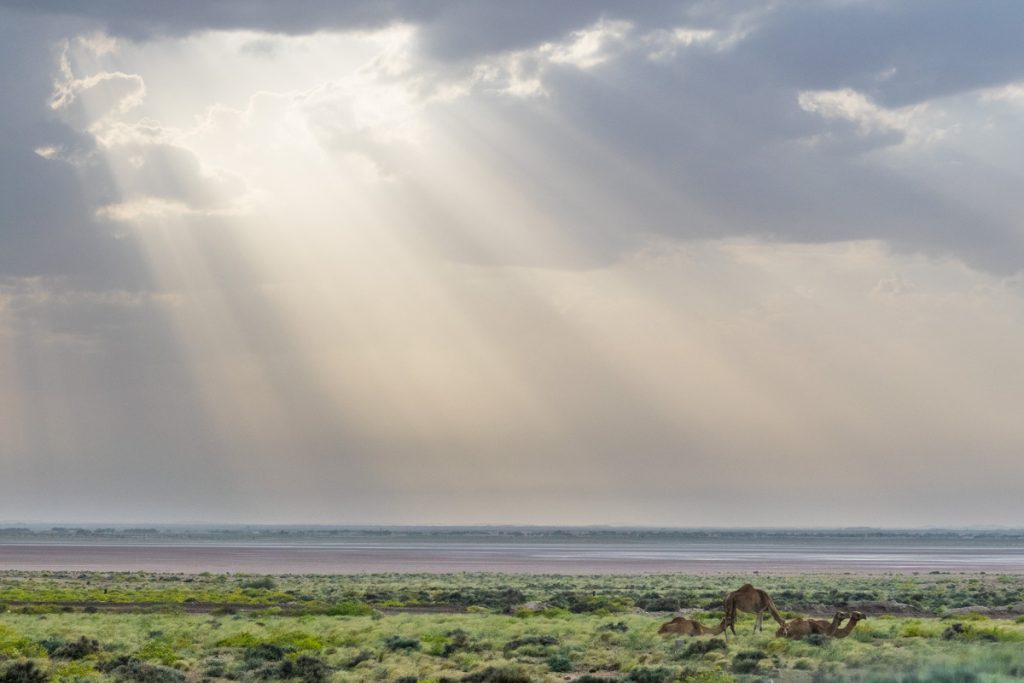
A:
[664,263]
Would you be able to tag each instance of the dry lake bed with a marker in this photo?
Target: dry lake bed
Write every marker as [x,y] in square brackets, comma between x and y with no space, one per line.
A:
[578,557]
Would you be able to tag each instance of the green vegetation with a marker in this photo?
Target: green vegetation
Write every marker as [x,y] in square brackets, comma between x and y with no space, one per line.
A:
[972,595]
[155,628]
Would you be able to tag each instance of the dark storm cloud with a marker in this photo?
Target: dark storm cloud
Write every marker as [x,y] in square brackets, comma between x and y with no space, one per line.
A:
[736,147]
[932,48]
[455,29]
[46,208]
[898,52]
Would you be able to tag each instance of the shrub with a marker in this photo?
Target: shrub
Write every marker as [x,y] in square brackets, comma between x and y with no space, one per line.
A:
[497,674]
[701,647]
[941,675]
[747,662]
[76,649]
[264,582]
[459,641]
[23,672]
[348,608]
[138,671]
[358,659]
[817,639]
[959,631]
[949,676]
[643,674]
[659,604]
[159,649]
[267,652]
[560,663]
[51,643]
[614,626]
[395,643]
[243,639]
[309,669]
[543,641]
[581,602]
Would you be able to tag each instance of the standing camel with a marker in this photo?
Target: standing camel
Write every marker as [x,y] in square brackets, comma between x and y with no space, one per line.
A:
[753,600]
[798,629]
[690,627]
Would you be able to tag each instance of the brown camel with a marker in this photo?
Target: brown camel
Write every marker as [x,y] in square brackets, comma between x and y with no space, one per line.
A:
[798,629]
[689,627]
[753,600]
[845,631]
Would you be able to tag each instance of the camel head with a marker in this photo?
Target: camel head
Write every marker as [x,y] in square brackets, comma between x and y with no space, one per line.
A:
[782,631]
[857,616]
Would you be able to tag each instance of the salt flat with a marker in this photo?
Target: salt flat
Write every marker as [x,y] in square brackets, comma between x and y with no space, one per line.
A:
[579,557]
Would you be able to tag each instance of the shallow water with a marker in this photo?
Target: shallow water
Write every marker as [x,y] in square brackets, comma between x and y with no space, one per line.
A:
[577,557]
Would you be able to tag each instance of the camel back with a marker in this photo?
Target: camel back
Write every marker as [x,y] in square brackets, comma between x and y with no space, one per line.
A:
[730,606]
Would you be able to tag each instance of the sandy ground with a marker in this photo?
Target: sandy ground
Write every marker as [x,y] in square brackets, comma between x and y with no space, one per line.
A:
[353,558]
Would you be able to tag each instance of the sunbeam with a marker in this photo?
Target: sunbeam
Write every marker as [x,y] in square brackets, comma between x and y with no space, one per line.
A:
[376,271]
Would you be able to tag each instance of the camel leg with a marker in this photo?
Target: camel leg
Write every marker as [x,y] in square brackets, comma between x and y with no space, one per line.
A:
[757,622]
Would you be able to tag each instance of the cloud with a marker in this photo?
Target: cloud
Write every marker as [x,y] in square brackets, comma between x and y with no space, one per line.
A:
[87,101]
[884,126]
[415,243]
[741,116]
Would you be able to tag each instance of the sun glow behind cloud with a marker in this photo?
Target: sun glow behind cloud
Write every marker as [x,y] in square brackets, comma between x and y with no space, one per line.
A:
[392,297]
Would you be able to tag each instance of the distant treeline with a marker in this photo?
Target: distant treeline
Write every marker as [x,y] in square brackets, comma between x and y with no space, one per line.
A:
[483,533]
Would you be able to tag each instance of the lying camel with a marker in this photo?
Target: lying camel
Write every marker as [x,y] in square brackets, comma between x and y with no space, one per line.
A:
[845,631]
[752,600]
[798,629]
[689,627]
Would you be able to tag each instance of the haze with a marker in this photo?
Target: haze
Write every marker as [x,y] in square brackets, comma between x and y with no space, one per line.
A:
[675,264]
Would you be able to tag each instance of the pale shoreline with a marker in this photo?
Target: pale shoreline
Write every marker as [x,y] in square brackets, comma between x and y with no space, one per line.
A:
[567,559]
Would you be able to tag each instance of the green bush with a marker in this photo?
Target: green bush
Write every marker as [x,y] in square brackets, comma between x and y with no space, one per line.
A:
[394,643]
[23,672]
[643,674]
[138,671]
[498,674]
[560,663]
[309,669]
[698,648]
[76,649]
[619,626]
[267,652]
[542,641]
[748,662]
[458,640]
[817,639]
